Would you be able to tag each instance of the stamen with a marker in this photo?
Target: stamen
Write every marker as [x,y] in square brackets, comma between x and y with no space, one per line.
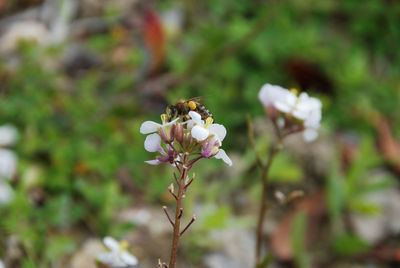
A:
[294,91]
[209,121]
[164,118]
[123,245]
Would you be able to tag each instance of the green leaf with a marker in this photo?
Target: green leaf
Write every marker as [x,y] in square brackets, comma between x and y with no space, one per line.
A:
[298,241]
[216,219]
[348,245]
[284,169]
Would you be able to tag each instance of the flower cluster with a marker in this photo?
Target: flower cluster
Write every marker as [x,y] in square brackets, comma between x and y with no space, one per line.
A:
[194,136]
[299,113]
[117,254]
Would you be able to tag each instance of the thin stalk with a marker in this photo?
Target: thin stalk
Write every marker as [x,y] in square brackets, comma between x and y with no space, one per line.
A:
[263,201]
[178,212]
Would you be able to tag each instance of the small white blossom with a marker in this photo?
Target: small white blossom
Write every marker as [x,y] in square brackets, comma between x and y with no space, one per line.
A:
[201,131]
[148,127]
[178,134]
[8,159]
[117,256]
[270,94]
[8,163]
[301,107]
[6,194]
[304,108]
[214,132]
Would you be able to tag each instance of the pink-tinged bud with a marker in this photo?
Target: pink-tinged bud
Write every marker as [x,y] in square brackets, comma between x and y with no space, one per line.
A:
[272,112]
[172,133]
[179,133]
[187,140]
[163,135]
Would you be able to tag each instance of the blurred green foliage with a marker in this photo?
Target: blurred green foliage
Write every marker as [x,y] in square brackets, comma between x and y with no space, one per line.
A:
[75,136]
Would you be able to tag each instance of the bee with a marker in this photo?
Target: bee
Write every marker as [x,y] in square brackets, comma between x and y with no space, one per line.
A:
[181,109]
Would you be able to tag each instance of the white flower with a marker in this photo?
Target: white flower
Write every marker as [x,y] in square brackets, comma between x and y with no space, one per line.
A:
[312,124]
[201,131]
[214,132]
[151,127]
[270,94]
[118,256]
[303,107]
[222,155]
[8,159]
[2,264]
[172,21]
[300,107]
[6,195]
[8,135]
[8,163]
[153,144]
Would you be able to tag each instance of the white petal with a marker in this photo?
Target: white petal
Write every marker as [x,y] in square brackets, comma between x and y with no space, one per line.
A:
[153,162]
[152,143]
[282,106]
[149,127]
[200,133]
[106,257]
[8,135]
[2,264]
[8,163]
[218,130]
[6,194]
[111,243]
[196,117]
[300,114]
[310,134]
[128,258]
[271,93]
[222,155]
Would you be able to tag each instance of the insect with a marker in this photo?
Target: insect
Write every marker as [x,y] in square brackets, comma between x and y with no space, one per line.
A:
[181,109]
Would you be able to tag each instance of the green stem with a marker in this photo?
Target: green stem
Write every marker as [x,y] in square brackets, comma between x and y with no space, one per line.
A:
[263,201]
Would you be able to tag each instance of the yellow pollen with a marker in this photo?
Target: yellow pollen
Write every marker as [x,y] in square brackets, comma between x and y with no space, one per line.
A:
[164,118]
[123,245]
[294,91]
[209,121]
[192,105]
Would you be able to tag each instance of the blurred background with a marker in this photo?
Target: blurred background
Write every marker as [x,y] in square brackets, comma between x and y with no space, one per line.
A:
[77,78]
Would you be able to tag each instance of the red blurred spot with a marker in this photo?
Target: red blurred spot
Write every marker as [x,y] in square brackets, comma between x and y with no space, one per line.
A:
[154,39]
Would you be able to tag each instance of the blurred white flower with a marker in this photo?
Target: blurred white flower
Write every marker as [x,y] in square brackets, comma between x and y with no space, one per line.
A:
[8,159]
[301,107]
[2,264]
[8,135]
[304,108]
[22,31]
[8,163]
[270,94]
[117,256]
[172,21]
[6,195]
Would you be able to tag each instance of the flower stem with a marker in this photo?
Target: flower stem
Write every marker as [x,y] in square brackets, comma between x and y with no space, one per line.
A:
[263,201]
[182,187]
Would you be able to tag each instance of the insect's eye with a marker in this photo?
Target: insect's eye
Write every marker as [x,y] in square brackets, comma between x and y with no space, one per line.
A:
[192,105]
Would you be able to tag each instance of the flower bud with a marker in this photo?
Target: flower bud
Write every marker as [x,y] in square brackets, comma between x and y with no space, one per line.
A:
[163,135]
[172,133]
[179,133]
[272,112]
